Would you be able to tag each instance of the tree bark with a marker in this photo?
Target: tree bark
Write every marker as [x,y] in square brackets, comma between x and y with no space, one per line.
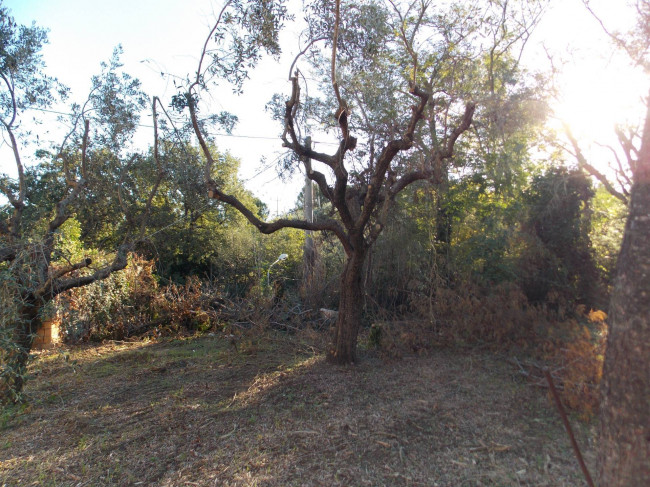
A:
[443,225]
[348,322]
[624,449]
[309,247]
[29,321]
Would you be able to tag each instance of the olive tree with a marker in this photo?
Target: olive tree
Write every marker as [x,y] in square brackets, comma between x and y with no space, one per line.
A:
[33,267]
[389,92]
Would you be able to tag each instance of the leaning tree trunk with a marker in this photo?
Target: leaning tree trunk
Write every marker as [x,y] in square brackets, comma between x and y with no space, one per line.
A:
[28,322]
[348,322]
[624,449]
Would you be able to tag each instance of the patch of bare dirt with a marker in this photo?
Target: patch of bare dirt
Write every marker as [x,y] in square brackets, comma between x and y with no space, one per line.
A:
[198,412]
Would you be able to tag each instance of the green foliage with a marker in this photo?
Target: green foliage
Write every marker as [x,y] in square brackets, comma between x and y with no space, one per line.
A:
[192,234]
[117,99]
[608,224]
[10,368]
[112,308]
[69,245]
[21,65]
[13,370]
[559,257]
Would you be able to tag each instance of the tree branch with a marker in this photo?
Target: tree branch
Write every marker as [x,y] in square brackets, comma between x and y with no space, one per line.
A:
[291,106]
[582,162]
[204,51]
[301,53]
[335,162]
[628,148]
[161,172]
[58,286]
[335,40]
[120,185]
[388,154]
[18,202]
[60,272]
[438,157]
[624,181]
[61,214]
[617,40]
[267,228]
[70,179]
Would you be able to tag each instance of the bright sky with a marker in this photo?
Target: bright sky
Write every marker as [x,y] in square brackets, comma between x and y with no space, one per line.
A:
[164,36]
[167,36]
[598,86]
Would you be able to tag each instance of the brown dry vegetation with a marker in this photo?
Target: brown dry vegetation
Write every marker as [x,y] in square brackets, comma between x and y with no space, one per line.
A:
[273,413]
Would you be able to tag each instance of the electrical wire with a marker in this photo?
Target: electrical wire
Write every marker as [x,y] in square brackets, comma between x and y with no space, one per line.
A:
[217,134]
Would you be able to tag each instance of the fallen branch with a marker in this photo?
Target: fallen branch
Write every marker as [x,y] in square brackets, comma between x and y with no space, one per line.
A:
[567,425]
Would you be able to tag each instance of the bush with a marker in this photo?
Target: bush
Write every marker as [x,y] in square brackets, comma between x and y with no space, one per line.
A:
[114,308]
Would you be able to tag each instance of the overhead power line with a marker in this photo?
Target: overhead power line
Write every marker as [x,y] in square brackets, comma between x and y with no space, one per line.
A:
[218,134]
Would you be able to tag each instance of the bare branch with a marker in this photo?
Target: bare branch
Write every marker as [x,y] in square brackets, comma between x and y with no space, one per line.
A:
[120,185]
[61,213]
[628,148]
[264,227]
[70,179]
[60,272]
[408,41]
[84,148]
[335,40]
[334,162]
[301,150]
[58,286]
[6,190]
[14,106]
[624,181]
[319,178]
[18,202]
[617,40]
[438,157]
[204,51]
[301,53]
[388,154]
[267,228]
[582,162]
[387,201]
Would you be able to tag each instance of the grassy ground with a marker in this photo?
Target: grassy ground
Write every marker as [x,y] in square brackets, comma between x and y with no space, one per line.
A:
[197,412]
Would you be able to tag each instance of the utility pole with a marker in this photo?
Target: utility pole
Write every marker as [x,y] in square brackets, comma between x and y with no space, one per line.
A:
[309,249]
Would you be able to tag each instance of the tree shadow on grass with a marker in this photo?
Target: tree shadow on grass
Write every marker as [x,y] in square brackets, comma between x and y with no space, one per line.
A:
[196,412]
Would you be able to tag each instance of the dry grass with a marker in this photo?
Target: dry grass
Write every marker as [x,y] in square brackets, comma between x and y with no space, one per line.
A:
[196,412]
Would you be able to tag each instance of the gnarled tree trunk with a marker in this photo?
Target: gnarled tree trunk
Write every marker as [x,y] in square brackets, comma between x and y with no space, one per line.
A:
[348,322]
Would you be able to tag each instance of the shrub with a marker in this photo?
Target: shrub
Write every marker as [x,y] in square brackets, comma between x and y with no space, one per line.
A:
[114,308]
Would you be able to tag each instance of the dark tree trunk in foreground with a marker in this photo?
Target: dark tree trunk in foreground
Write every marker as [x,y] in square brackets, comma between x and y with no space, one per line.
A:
[624,450]
[348,322]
